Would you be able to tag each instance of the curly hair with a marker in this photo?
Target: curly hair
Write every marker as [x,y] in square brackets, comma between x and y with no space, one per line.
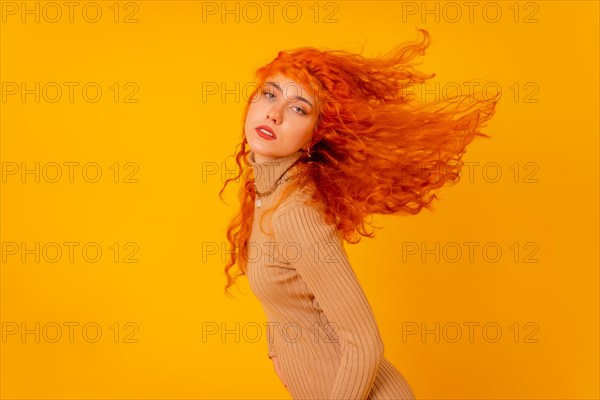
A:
[376,149]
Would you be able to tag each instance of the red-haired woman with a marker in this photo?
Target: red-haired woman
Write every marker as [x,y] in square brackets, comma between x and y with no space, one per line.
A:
[335,137]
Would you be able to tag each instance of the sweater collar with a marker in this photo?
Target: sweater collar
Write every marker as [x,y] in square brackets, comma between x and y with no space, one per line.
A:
[266,173]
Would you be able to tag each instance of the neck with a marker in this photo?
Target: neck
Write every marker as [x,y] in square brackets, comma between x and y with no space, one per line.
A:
[266,173]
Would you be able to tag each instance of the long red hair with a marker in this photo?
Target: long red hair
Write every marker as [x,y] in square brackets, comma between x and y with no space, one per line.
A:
[375,150]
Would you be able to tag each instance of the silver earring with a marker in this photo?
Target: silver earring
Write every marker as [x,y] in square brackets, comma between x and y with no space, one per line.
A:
[308,151]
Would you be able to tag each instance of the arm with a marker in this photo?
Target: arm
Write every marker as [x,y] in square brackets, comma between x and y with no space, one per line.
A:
[321,261]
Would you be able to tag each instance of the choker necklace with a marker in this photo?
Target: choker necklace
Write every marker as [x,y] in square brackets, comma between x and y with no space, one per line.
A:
[259,195]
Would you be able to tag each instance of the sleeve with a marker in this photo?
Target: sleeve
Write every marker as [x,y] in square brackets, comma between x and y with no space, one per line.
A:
[322,262]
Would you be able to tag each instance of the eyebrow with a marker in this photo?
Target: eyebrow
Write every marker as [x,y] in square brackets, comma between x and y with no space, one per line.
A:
[295,97]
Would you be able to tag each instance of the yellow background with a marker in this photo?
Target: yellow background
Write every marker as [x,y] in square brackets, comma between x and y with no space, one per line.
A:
[176,139]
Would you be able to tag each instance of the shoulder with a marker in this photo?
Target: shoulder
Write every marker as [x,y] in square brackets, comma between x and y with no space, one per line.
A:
[299,198]
[299,205]
[300,221]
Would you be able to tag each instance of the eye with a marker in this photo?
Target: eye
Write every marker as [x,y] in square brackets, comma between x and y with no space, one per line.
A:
[269,93]
[300,110]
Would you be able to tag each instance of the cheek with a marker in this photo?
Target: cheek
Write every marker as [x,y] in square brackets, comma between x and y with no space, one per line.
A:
[250,120]
[253,111]
[309,129]
[256,109]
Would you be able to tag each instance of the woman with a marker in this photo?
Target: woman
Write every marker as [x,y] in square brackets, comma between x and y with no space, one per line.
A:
[335,137]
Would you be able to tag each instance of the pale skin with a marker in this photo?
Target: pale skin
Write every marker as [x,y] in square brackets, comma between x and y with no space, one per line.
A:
[289,109]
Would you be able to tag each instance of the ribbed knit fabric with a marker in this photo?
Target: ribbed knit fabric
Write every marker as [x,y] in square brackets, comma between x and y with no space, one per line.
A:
[320,324]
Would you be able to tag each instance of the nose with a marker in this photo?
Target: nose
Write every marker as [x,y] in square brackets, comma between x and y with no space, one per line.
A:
[274,113]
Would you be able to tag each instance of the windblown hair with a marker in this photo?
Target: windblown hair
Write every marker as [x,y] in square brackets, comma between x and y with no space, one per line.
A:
[376,149]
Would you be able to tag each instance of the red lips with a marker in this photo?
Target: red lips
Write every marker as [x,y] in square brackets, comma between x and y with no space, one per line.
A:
[264,135]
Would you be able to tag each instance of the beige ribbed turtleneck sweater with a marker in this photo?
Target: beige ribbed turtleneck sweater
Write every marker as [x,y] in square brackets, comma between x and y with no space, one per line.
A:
[320,324]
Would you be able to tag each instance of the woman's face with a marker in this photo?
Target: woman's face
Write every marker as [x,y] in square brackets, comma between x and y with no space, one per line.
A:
[287,110]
